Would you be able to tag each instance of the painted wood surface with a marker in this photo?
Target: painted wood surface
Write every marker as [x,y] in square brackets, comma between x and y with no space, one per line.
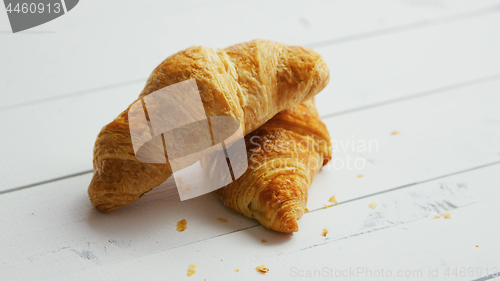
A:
[71,235]
[399,239]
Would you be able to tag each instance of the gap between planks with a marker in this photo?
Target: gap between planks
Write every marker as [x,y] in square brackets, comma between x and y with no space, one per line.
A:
[407,27]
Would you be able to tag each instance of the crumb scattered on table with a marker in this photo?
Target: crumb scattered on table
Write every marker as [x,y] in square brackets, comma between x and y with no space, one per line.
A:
[191,269]
[325,232]
[373,205]
[436,217]
[262,269]
[181,225]
[237,270]
[446,215]
[263,241]
[395,133]
[328,206]
[333,200]
[306,210]
[187,188]
[360,176]
[222,220]
[477,246]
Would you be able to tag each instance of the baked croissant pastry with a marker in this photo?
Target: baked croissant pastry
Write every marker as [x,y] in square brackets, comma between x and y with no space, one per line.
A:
[284,155]
[251,81]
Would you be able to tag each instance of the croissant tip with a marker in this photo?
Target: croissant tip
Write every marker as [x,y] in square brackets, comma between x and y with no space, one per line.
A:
[106,208]
[103,205]
[109,201]
[290,226]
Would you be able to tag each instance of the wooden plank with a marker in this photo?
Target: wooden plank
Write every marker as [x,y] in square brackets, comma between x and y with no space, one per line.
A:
[57,137]
[91,47]
[142,241]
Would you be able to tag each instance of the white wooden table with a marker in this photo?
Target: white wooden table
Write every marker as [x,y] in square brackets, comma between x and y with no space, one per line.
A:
[419,79]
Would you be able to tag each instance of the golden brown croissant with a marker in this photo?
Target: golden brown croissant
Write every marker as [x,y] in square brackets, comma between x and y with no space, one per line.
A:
[284,155]
[250,81]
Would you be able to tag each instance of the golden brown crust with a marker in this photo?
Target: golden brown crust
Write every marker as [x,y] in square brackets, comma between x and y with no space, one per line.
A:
[251,81]
[284,156]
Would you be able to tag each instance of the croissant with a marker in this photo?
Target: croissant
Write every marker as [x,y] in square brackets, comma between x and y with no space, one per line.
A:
[284,155]
[250,81]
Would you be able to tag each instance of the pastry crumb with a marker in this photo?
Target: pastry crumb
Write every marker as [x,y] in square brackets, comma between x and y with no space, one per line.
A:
[325,232]
[446,215]
[373,205]
[237,270]
[306,210]
[328,206]
[191,269]
[187,188]
[395,133]
[262,269]
[477,246]
[333,200]
[436,217]
[263,241]
[222,220]
[360,176]
[181,225]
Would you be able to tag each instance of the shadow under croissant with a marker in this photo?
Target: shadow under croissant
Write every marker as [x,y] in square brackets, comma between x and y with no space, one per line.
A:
[158,211]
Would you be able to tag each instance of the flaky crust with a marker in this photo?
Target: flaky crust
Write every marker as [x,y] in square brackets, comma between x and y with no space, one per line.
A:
[284,156]
[251,81]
